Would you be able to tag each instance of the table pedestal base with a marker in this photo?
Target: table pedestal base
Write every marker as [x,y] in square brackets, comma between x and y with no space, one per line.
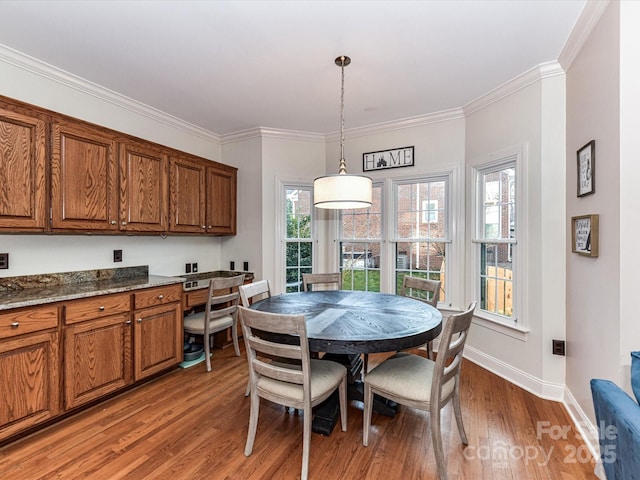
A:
[327,413]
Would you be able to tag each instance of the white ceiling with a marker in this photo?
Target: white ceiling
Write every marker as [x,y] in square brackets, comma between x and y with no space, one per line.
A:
[229,66]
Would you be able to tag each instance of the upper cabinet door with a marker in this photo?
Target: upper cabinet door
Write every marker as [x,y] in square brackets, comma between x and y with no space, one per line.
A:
[144,201]
[221,201]
[187,196]
[22,171]
[83,179]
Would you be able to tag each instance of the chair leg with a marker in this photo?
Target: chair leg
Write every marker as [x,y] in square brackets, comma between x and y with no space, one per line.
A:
[458,414]
[306,442]
[248,390]
[368,408]
[436,438]
[365,364]
[234,335]
[207,352]
[342,392]
[253,424]
[430,350]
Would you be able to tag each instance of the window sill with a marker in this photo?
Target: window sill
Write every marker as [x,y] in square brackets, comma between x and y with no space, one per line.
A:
[513,331]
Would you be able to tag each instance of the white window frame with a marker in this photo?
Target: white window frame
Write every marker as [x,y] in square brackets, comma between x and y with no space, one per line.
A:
[448,178]
[281,265]
[516,326]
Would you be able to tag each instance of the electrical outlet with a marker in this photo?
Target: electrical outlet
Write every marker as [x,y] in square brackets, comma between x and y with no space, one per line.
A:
[4,261]
[246,266]
[194,267]
[187,268]
[117,255]
[558,347]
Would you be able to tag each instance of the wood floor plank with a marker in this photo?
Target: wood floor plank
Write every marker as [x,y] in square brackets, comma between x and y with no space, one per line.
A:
[192,425]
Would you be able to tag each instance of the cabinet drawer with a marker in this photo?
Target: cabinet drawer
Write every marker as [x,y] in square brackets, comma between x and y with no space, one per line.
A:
[157,296]
[97,307]
[195,298]
[29,320]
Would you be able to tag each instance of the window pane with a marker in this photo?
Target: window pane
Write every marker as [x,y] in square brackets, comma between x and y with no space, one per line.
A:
[360,266]
[496,278]
[421,210]
[364,223]
[421,259]
[498,203]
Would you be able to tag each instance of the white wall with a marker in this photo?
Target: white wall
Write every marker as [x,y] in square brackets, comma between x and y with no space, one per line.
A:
[531,118]
[246,155]
[43,86]
[593,284]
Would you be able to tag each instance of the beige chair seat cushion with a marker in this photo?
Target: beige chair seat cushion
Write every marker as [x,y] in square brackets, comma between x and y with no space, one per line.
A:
[325,376]
[195,323]
[410,374]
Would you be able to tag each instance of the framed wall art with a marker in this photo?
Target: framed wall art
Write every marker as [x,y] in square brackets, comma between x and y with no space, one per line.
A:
[584,235]
[383,159]
[587,169]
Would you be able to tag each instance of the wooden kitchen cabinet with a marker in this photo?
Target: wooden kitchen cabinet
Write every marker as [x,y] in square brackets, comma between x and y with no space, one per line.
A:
[84,192]
[97,347]
[157,339]
[23,186]
[97,358]
[187,195]
[221,200]
[143,176]
[29,368]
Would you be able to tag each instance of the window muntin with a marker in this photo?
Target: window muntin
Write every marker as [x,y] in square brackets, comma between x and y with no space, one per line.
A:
[421,230]
[360,245]
[496,238]
[298,236]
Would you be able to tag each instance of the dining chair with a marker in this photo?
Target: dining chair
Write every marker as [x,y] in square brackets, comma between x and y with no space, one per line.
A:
[254,291]
[324,280]
[220,313]
[301,388]
[425,290]
[248,294]
[424,384]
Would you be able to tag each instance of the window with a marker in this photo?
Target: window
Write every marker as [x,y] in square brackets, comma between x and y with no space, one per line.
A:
[421,229]
[360,245]
[496,236]
[298,236]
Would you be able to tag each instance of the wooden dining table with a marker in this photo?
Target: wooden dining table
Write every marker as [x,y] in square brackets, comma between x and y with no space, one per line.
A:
[344,324]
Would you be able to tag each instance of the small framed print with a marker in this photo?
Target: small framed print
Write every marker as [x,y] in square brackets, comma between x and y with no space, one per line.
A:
[584,235]
[587,169]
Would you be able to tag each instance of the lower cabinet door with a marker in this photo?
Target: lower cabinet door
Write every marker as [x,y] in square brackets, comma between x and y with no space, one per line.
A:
[97,358]
[158,343]
[29,382]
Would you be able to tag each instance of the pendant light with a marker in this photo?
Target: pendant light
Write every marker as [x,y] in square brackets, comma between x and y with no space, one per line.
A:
[342,191]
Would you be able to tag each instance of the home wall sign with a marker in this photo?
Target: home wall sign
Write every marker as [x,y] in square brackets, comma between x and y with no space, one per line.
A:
[392,158]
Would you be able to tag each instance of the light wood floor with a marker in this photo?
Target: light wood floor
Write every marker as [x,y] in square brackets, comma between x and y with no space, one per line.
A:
[191,425]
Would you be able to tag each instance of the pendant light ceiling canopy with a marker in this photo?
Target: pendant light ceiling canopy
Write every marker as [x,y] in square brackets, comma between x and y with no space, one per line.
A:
[342,191]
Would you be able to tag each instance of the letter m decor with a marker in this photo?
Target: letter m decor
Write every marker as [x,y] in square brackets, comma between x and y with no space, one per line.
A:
[392,158]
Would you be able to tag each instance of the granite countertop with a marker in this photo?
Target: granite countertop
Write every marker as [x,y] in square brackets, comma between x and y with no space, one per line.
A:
[32,290]
[196,281]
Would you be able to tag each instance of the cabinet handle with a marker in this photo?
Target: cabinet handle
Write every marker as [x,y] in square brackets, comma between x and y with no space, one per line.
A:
[113,222]
[101,308]
[139,320]
[124,224]
[160,297]
[204,226]
[210,226]
[15,324]
[128,322]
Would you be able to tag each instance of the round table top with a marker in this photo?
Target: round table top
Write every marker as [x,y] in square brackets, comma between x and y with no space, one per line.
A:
[342,321]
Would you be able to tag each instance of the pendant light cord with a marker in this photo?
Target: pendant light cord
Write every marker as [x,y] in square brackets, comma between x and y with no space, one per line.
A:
[343,164]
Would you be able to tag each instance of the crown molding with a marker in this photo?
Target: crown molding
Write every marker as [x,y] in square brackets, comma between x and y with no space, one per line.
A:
[537,73]
[264,132]
[585,24]
[409,122]
[42,69]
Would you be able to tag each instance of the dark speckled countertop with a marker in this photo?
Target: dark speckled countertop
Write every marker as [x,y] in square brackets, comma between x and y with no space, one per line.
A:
[32,290]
